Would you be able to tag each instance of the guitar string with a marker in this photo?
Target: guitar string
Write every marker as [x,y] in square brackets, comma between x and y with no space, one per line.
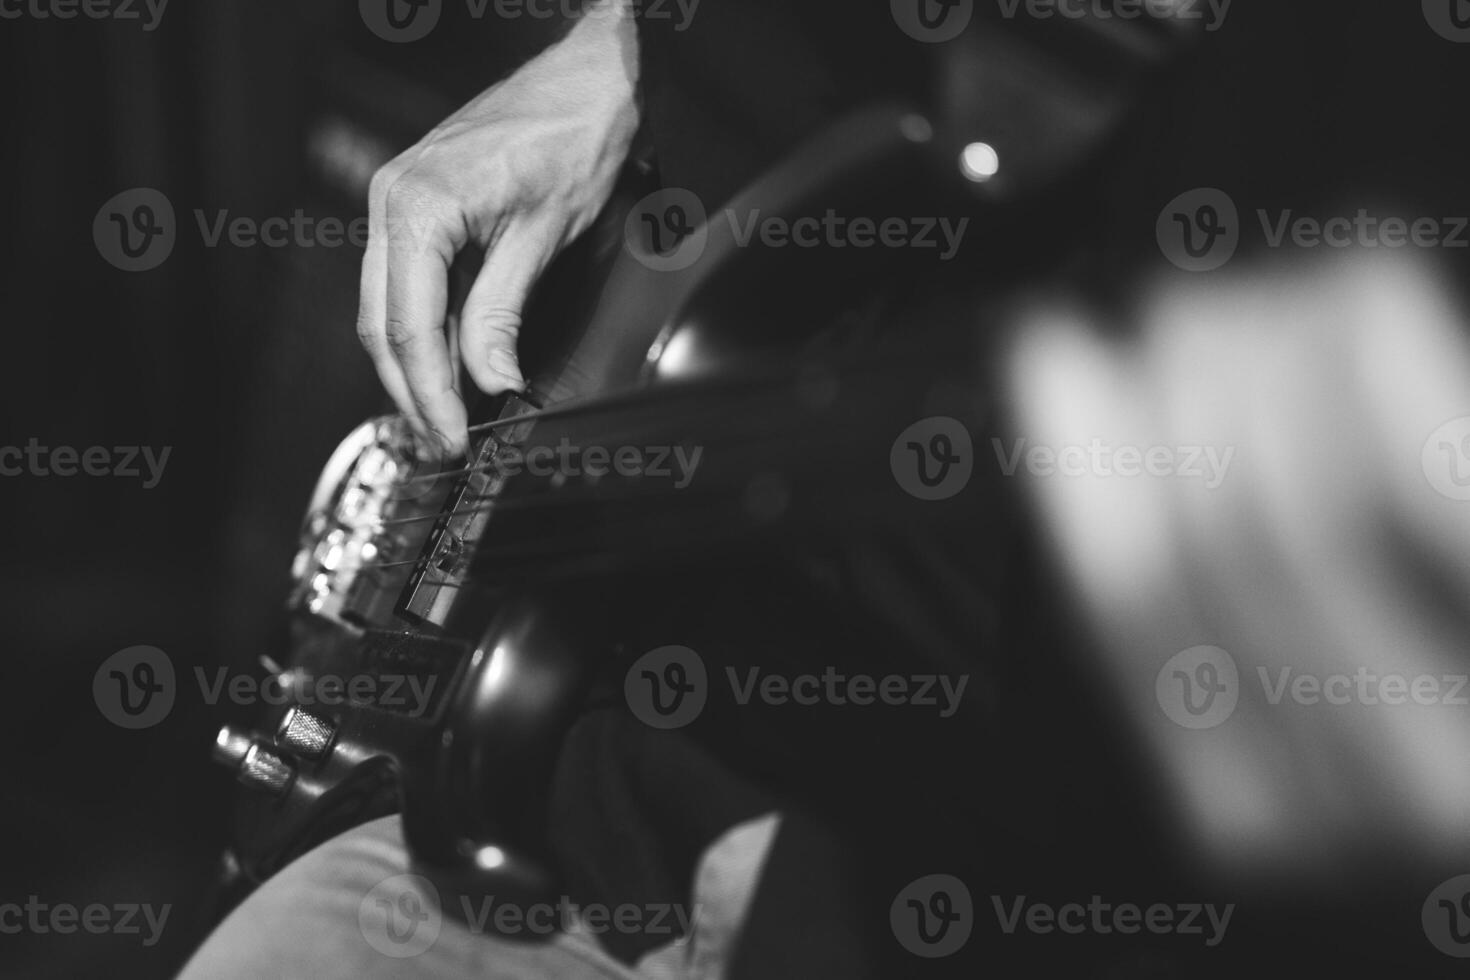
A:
[507,504]
[562,409]
[496,502]
[549,546]
[499,464]
[568,408]
[561,499]
[557,498]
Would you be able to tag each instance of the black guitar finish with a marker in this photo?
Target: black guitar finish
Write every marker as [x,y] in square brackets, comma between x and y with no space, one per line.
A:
[411,574]
[458,681]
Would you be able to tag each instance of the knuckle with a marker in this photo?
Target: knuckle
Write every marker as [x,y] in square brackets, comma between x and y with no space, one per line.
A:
[406,193]
[367,335]
[416,209]
[497,324]
[417,191]
[401,337]
[383,180]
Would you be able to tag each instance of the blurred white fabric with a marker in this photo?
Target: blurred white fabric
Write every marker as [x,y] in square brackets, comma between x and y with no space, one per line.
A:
[1337,544]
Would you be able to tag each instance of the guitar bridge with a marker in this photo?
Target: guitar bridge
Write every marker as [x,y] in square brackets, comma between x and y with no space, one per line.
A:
[361,528]
[432,586]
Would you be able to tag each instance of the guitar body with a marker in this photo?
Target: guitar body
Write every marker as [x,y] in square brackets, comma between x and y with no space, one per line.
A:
[429,672]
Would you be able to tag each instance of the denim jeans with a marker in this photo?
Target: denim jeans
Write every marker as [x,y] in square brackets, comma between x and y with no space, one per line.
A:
[353,909]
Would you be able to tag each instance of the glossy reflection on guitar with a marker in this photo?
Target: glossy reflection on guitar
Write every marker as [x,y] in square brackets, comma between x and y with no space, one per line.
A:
[445,616]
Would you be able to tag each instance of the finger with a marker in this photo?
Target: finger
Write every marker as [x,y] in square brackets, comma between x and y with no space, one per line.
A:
[456,364]
[372,330]
[490,323]
[424,232]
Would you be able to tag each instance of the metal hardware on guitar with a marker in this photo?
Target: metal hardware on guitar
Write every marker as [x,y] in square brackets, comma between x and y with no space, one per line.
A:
[363,560]
[399,585]
[258,766]
[387,623]
[413,578]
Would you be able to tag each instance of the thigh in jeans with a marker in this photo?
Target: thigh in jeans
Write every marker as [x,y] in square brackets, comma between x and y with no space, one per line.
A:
[352,909]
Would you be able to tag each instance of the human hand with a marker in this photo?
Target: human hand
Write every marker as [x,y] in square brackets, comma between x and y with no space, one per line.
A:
[520,171]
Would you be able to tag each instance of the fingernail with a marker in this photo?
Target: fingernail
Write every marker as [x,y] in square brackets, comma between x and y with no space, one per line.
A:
[503,363]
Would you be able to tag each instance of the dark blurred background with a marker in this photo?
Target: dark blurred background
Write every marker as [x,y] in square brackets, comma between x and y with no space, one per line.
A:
[244,362]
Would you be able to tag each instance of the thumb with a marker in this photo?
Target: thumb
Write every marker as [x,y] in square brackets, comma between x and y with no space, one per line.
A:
[491,320]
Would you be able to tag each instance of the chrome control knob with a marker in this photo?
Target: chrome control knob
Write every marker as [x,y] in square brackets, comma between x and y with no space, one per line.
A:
[304,734]
[230,746]
[255,765]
